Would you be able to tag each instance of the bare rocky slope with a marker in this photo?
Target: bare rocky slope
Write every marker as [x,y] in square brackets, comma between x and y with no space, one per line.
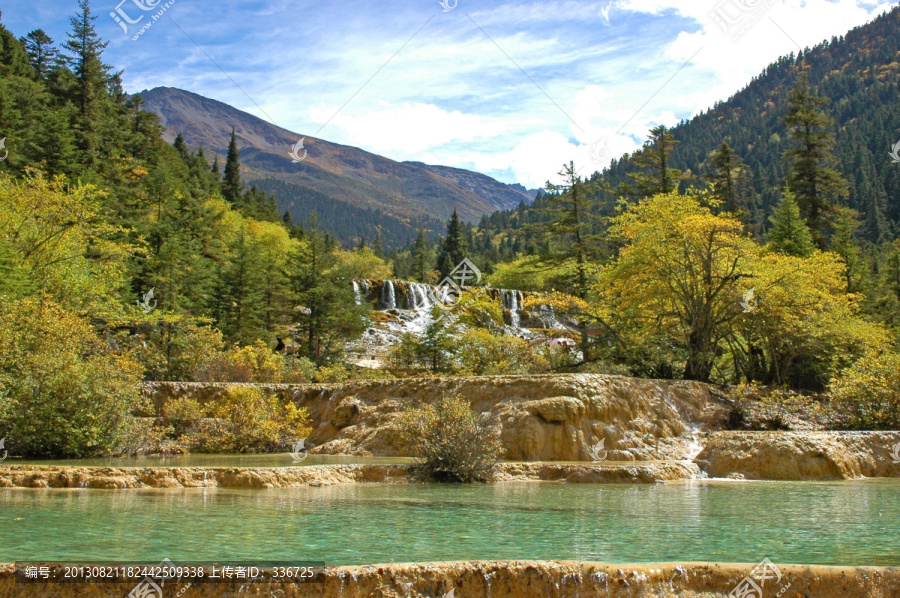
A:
[345,174]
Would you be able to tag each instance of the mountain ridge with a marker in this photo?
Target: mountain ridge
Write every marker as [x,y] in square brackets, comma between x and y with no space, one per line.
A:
[400,191]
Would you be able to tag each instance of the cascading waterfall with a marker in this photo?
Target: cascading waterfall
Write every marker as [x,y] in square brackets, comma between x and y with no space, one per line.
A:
[514,302]
[388,295]
[414,302]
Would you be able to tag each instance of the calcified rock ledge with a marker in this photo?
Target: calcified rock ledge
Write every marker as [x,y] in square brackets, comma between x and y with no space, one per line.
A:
[521,579]
[553,417]
[29,476]
[799,455]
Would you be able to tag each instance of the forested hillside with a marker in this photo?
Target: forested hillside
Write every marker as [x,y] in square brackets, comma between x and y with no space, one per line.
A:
[346,186]
[859,76]
[169,258]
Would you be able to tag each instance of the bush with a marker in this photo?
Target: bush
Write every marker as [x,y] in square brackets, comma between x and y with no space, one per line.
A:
[63,392]
[173,348]
[482,353]
[248,420]
[867,394]
[255,363]
[452,442]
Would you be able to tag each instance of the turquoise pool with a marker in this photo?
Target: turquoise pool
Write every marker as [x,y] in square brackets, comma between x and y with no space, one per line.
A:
[841,523]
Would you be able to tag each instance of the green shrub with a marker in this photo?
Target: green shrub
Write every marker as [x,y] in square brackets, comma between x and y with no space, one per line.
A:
[247,420]
[63,392]
[172,348]
[452,443]
[867,394]
[482,353]
[183,415]
[255,363]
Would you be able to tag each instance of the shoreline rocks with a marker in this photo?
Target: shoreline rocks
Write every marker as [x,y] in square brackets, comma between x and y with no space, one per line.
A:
[551,417]
[799,455]
[518,579]
[113,478]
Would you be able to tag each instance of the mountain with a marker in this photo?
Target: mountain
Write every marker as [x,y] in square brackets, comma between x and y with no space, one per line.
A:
[858,73]
[342,184]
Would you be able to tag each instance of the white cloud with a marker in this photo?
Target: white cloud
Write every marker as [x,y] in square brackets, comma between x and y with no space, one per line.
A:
[451,96]
[405,131]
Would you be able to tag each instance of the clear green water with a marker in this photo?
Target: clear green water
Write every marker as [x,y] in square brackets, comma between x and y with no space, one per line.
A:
[199,460]
[846,523]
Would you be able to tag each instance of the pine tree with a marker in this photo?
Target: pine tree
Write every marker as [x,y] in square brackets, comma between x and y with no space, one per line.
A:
[232,189]
[811,177]
[377,245]
[41,54]
[454,249]
[93,79]
[330,317]
[242,293]
[13,58]
[789,234]
[565,228]
[421,257]
[181,147]
[215,168]
[727,178]
[655,158]
[844,245]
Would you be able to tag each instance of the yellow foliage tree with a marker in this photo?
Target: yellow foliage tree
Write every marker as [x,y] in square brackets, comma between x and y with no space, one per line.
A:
[61,241]
[689,289]
[676,277]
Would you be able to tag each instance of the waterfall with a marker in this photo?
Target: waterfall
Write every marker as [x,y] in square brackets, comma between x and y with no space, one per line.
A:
[357,293]
[419,294]
[514,301]
[388,295]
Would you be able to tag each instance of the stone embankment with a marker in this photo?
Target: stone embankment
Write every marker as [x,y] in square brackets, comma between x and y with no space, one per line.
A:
[110,478]
[800,455]
[658,427]
[518,579]
[541,418]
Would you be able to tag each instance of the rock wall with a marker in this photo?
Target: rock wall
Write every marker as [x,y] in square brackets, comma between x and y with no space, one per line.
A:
[517,579]
[800,455]
[107,478]
[542,418]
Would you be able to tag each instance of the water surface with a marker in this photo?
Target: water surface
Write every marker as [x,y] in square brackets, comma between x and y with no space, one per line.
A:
[840,523]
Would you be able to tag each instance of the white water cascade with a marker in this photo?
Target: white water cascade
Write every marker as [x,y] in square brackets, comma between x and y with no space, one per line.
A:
[409,307]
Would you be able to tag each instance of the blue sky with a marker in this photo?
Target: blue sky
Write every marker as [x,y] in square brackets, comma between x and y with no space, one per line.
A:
[511,89]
